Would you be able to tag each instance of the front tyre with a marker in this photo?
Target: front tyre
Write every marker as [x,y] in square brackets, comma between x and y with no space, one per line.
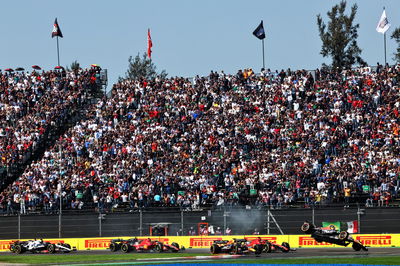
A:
[125,248]
[176,245]
[286,247]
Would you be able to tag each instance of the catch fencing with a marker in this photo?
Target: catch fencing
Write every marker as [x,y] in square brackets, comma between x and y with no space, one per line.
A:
[157,222]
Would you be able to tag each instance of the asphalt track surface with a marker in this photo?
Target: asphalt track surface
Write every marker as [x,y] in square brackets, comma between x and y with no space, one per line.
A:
[298,253]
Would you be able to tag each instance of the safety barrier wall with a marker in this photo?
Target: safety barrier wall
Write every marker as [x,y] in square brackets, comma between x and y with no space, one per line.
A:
[295,241]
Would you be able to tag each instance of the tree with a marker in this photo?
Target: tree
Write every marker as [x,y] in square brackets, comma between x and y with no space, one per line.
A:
[396,37]
[142,67]
[339,39]
[75,66]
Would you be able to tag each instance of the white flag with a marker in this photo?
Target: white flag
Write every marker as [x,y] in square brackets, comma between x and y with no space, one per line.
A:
[383,24]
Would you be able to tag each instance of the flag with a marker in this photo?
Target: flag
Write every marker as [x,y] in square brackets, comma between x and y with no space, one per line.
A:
[56,30]
[149,43]
[259,31]
[383,24]
[328,224]
[352,227]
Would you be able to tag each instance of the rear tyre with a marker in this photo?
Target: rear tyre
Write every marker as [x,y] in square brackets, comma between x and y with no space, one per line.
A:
[12,248]
[286,247]
[258,249]
[343,235]
[18,248]
[159,248]
[113,247]
[51,248]
[125,248]
[267,248]
[214,249]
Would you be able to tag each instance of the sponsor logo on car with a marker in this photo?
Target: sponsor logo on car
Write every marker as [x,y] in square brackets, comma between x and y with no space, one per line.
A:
[309,241]
[97,243]
[201,242]
[375,240]
[271,239]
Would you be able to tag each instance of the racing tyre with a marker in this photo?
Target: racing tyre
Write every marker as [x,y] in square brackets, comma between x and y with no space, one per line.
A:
[113,247]
[18,249]
[159,247]
[235,250]
[307,227]
[12,248]
[356,246]
[258,249]
[176,245]
[68,246]
[51,248]
[125,248]
[267,248]
[286,247]
[214,249]
[343,235]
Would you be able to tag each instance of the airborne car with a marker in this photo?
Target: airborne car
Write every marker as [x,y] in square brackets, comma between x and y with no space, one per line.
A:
[331,235]
[39,246]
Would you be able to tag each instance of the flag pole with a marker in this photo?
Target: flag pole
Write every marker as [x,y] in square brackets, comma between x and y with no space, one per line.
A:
[384,42]
[58,53]
[263,53]
[384,45]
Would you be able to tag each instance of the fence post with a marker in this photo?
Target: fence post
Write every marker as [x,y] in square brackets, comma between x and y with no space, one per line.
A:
[313,215]
[182,234]
[19,226]
[268,222]
[141,222]
[59,223]
[100,218]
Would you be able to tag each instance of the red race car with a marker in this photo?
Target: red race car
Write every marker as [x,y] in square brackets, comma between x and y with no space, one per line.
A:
[142,245]
[269,246]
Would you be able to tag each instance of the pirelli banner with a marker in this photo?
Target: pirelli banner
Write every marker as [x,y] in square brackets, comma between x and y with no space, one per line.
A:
[295,241]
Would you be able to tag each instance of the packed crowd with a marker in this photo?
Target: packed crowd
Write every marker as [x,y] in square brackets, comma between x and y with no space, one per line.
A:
[31,104]
[271,139]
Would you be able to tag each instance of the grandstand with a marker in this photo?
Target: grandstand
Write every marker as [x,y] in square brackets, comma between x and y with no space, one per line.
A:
[277,139]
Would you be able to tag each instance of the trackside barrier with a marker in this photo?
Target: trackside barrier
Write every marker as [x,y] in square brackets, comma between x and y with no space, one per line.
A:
[295,241]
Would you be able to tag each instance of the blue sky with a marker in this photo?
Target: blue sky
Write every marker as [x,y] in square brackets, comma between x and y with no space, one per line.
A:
[189,37]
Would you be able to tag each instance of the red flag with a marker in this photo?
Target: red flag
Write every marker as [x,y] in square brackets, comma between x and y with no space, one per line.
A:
[149,43]
[56,30]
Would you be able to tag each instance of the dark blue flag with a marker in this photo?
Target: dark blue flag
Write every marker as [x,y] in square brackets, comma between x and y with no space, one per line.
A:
[259,31]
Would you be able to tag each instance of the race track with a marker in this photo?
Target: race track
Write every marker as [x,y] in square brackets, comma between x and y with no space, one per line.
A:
[299,253]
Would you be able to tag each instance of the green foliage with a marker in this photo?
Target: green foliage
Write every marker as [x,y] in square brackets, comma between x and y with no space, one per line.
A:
[396,37]
[75,66]
[142,68]
[339,37]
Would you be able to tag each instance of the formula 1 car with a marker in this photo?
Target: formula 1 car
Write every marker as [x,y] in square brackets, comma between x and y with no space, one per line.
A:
[236,246]
[135,244]
[39,246]
[269,246]
[331,235]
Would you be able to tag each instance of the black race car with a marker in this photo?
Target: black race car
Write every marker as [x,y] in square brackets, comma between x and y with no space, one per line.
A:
[331,235]
[236,246]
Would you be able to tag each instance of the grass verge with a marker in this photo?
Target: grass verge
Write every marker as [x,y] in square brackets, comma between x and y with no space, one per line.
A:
[69,258]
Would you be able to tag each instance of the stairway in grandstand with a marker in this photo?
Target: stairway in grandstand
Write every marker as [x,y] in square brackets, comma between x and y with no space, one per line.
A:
[10,174]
